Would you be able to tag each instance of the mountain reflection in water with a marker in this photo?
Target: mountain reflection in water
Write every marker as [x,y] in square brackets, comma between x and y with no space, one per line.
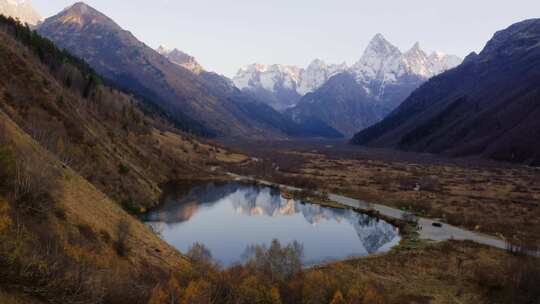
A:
[229,217]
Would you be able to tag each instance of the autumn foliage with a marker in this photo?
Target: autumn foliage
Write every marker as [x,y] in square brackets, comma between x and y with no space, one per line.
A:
[268,275]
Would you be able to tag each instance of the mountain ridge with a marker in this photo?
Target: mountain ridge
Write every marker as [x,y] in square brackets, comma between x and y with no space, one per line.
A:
[201,99]
[380,64]
[183,59]
[486,106]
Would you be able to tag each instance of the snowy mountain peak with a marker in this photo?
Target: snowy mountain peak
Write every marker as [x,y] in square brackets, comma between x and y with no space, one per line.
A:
[379,39]
[316,74]
[180,58]
[381,60]
[440,62]
[163,50]
[385,63]
[416,62]
[268,77]
[380,47]
[20,9]
[317,63]
[382,63]
[277,77]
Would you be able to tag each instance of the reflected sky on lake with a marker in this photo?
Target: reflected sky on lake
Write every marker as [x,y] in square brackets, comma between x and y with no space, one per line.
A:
[229,217]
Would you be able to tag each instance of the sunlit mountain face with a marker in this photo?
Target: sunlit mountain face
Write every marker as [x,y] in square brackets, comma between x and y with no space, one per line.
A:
[229,217]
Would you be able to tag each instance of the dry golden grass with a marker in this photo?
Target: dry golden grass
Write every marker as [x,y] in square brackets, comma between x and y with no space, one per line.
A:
[106,138]
[192,150]
[501,201]
[85,225]
[442,273]
[17,298]
[495,201]
[85,205]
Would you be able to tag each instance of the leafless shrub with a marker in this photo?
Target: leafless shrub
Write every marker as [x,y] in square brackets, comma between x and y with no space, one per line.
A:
[123,233]
[409,217]
[52,138]
[431,184]
[421,207]
[199,253]
[407,183]
[277,262]
[7,159]
[202,258]
[105,236]
[34,182]
[296,181]
[87,232]
[515,282]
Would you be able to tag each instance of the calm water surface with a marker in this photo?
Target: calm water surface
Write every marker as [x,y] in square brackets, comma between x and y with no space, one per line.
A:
[227,218]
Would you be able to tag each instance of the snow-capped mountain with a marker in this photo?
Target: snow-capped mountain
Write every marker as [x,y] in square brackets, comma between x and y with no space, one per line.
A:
[281,86]
[316,74]
[371,88]
[381,65]
[182,59]
[20,9]
[488,106]
[275,85]
[268,77]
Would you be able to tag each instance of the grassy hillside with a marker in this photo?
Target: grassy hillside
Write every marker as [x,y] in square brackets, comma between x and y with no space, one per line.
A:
[64,240]
[75,155]
[107,136]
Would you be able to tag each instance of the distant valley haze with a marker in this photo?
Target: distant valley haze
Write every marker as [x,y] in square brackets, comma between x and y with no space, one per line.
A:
[225,35]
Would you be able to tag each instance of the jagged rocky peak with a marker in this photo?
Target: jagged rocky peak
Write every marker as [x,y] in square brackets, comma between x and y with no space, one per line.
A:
[416,61]
[384,62]
[381,64]
[316,74]
[416,52]
[380,47]
[440,62]
[22,10]
[180,58]
[268,77]
[380,61]
[275,76]
[436,120]
[317,64]
[519,37]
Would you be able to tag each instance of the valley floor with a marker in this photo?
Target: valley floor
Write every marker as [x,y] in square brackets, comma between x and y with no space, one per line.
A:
[499,199]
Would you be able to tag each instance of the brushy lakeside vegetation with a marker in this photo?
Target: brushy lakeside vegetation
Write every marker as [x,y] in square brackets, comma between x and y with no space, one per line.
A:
[494,198]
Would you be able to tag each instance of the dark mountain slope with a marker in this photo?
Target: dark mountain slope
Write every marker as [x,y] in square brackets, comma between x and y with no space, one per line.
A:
[341,103]
[110,138]
[263,113]
[71,150]
[487,106]
[118,56]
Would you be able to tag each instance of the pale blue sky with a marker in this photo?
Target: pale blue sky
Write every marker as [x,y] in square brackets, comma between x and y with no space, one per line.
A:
[227,34]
